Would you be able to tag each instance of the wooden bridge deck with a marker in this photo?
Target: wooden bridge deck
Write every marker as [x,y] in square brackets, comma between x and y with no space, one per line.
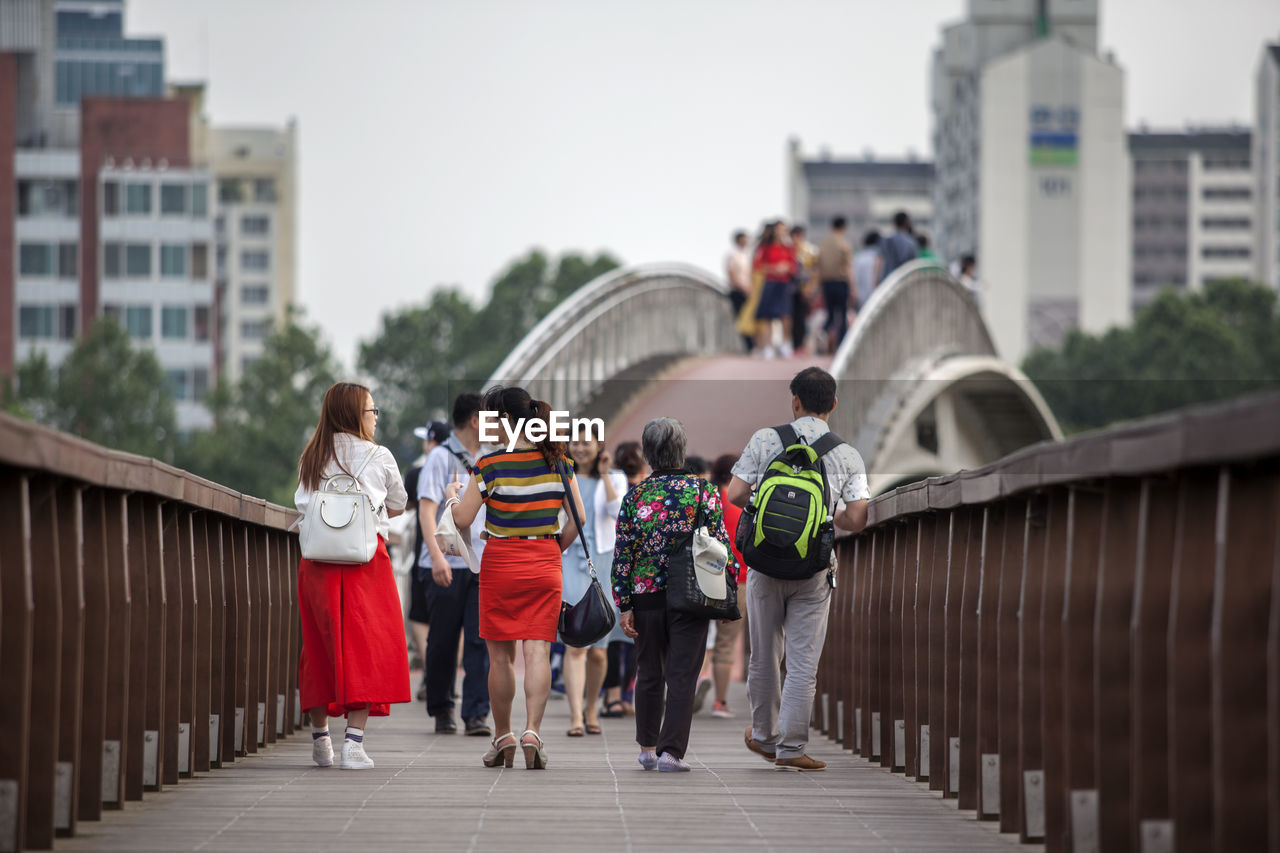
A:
[430,792]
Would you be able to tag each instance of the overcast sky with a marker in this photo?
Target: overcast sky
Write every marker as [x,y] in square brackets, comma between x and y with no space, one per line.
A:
[439,140]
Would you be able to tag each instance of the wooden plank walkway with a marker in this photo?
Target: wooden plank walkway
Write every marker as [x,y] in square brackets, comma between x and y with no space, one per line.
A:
[430,792]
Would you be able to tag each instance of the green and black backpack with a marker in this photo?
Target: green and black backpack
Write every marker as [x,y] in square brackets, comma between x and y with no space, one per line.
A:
[786,530]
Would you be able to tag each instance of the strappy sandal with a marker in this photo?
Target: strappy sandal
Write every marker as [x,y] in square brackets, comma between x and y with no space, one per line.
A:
[576,731]
[593,729]
[501,756]
[613,709]
[535,756]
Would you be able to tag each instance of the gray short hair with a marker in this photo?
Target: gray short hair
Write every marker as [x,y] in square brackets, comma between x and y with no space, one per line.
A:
[663,443]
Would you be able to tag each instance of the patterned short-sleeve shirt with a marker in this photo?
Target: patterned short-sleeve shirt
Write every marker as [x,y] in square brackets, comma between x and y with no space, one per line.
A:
[846,474]
[522,493]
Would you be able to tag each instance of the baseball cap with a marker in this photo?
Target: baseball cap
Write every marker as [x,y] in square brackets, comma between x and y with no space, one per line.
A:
[437,431]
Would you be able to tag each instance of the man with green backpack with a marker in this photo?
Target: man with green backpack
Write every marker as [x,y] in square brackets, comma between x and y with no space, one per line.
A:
[789,481]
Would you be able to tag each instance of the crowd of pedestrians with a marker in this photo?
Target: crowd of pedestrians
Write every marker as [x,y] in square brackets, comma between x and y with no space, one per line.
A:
[790,297]
[497,600]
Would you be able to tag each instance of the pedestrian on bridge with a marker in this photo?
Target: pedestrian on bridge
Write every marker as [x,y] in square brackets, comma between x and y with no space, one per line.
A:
[353,660]
[522,491]
[452,590]
[657,517]
[602,487]
[789,594]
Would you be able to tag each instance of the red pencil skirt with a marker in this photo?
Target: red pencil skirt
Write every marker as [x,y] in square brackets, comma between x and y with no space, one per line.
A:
[520,589]
[353,643]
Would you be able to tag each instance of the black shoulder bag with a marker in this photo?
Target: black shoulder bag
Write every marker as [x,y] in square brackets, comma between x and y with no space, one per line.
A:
[591,619]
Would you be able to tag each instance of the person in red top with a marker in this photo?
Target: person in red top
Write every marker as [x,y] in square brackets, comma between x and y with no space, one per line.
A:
[775,261]
[725,652]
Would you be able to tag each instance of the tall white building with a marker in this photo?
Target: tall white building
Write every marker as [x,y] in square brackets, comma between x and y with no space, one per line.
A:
[1266,165]
[1193,209]
[1032,171]
[254,170]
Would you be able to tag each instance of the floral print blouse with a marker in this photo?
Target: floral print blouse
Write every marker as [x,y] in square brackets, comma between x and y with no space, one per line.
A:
[657,516]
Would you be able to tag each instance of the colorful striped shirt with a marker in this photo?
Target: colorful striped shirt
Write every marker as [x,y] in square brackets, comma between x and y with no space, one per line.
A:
[522,494]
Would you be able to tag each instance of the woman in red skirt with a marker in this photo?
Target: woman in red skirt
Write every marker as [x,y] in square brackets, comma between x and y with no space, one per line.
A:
[522,492]
[354,660]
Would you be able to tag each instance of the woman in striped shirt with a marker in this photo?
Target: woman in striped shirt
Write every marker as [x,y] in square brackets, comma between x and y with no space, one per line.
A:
[522,491]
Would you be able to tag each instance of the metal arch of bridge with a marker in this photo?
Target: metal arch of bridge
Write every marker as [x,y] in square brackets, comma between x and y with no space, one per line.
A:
[628,321]
[923,391]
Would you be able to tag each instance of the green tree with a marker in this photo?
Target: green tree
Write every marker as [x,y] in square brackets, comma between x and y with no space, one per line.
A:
[264,421]
[1182,349]
[424,355]
[106,391]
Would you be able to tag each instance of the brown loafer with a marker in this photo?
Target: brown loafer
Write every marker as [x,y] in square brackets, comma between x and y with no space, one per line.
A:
[757,748]
[804,762]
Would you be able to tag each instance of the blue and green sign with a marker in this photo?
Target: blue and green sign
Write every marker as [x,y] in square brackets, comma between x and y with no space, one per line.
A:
[1054,140]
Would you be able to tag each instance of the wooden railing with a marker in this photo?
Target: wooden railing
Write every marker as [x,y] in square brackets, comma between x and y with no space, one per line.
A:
[148,629]
[1081,641]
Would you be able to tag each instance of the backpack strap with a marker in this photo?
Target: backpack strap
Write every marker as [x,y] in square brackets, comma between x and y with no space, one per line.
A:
[824,445]
[787,433]
[827,443]
[365,463]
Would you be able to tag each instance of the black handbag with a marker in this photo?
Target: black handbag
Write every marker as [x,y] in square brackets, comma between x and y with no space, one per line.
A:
[683,593]
[592,618]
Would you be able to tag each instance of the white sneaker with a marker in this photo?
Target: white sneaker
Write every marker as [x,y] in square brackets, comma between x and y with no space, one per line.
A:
[786,351]
[354,756]
[769,354]
[322,751]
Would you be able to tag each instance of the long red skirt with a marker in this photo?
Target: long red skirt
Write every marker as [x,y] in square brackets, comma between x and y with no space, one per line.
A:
[353,643]
[520,589]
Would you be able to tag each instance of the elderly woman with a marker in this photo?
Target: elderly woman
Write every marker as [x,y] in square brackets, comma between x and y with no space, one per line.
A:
[656,519]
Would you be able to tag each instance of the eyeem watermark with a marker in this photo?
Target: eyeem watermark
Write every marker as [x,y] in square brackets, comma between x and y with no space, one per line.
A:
[561,427]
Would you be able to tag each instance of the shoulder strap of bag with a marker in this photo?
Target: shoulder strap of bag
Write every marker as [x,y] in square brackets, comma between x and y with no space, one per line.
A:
[563,469]
[824,445]
[787,433]
[470,469]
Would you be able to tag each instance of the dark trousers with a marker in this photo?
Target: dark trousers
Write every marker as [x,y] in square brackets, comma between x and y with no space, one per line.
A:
[455,610]
[670,648]
[836,295]
[737,299]
[799,316]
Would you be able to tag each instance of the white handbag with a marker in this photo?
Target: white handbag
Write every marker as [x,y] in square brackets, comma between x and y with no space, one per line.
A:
[710,557]
[454,541]
[340,525]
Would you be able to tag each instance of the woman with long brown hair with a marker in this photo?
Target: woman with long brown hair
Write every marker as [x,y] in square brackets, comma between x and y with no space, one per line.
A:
[522,491]
[354,661]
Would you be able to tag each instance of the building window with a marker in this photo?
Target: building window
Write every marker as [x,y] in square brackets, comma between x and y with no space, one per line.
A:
[35,259]
[177,381]
[173,199]
[255,259]
[200,321]
[173,260]
[255,294]
[173,321]
[200,200]
[199,383]
[67,322]
[137,260]
[1219,252]
[137,199]
[110,198]
[35,322]
[1227,193]
[47,198]
[1224,222]
[255,225]
[137,321]
[199,261]
[264,189]
[254,330]
[111,260]
[230,191]
[68,260]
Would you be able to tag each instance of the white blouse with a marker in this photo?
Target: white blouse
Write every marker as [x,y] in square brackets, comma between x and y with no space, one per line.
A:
[607,511]
[380,479]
